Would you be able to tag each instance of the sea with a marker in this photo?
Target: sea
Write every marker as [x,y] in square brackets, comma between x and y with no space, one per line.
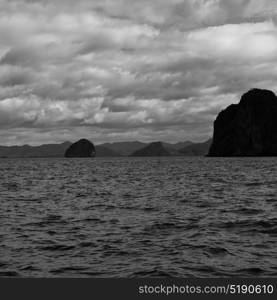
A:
[138,217]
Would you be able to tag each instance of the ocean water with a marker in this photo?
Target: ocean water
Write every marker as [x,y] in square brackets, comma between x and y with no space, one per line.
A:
[138,217]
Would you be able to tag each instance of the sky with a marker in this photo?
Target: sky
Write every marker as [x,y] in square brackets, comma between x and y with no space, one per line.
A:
[124,70]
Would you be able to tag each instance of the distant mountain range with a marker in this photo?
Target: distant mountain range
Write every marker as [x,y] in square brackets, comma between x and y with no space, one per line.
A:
[197,149]
[123,148]
[155,149]
[48,150]
[165,149]
[128,148]
[110,149]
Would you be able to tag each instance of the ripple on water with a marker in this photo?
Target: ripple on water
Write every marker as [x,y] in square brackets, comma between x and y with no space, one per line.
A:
[134,217]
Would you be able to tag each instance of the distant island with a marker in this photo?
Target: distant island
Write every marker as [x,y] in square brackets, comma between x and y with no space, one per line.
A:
[248,128]
[117,149]
[165,149]
[155,149]
[82,148]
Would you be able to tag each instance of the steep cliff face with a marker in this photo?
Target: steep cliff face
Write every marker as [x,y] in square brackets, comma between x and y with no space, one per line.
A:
[248,128]
[82,148]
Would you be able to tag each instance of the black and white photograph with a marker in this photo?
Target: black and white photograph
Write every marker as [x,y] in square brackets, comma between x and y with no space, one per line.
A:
[138,139]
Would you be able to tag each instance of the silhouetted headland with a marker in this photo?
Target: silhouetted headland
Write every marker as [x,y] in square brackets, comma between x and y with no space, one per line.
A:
[248,128]
[82,148]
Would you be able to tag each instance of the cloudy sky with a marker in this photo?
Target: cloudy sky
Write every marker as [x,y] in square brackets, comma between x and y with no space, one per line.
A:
[115,70]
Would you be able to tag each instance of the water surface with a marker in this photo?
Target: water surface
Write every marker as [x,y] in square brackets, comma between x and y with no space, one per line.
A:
[136,217]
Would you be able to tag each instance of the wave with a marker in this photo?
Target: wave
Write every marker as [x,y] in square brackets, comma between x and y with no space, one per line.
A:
[248,211]
[248,224]
[9,274]
[29,268]
[59,247]
[161,226]
[250,271]
[218,251]
[68,270]
[87,245]
[154,273]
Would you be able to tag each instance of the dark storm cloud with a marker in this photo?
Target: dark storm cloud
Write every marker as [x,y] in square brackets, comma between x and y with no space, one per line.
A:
[122,69]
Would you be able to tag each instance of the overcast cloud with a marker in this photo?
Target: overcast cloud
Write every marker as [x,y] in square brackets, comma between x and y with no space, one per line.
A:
[129,70]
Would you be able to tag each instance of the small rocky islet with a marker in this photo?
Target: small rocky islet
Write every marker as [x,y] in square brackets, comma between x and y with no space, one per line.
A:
[82,148]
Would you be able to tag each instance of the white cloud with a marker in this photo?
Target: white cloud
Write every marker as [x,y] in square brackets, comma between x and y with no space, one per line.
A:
[120,69]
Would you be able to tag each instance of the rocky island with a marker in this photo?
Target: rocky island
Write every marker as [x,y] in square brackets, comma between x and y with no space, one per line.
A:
[248,128]
[82,148]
